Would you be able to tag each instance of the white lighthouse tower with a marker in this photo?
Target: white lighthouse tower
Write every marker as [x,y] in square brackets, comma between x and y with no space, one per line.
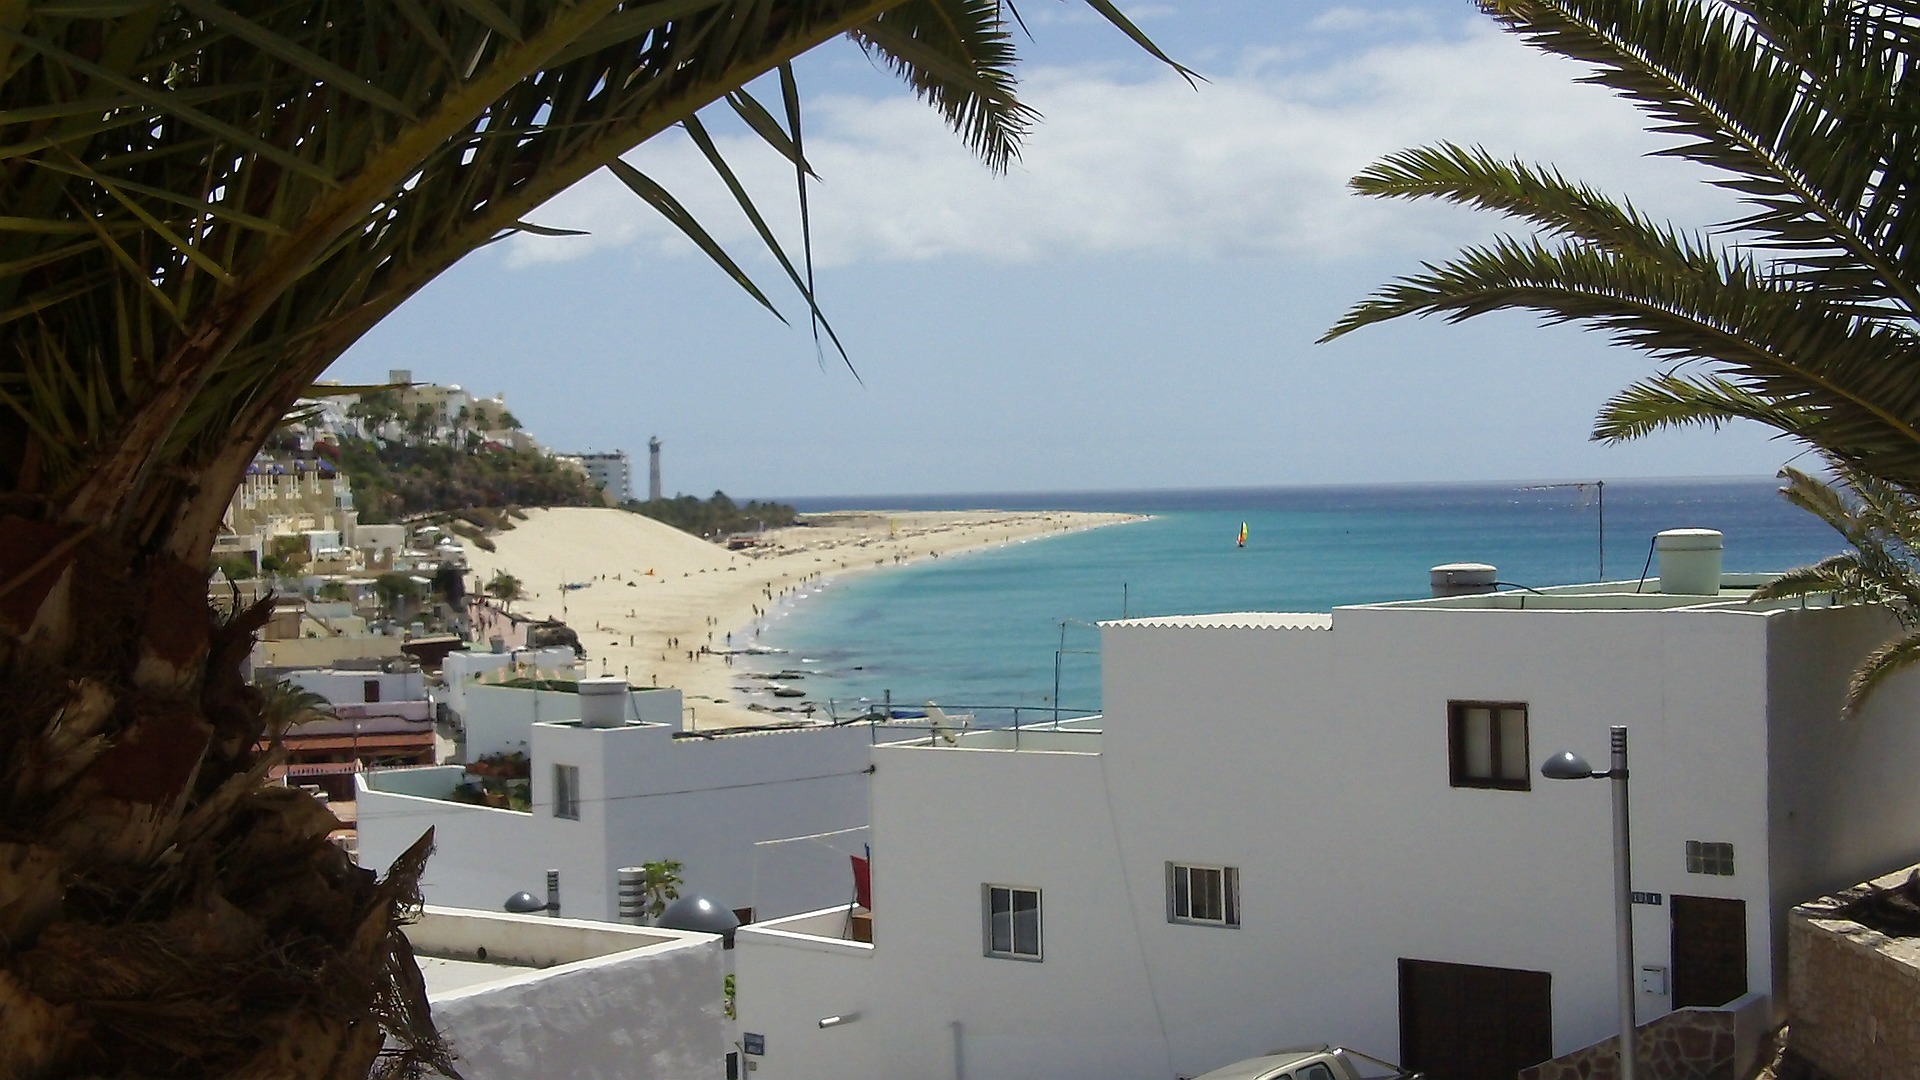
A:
[653,469]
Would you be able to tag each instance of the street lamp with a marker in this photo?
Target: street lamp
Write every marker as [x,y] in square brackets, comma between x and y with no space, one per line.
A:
[525,903]
[1568,765]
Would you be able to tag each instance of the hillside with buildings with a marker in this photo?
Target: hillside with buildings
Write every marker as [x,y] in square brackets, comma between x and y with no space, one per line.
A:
[414,448]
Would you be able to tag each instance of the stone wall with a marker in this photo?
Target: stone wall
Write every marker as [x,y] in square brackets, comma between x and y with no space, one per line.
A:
[1688,1044]
[1853,994]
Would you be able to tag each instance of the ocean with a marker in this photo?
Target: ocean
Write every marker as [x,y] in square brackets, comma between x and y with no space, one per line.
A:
[995,630]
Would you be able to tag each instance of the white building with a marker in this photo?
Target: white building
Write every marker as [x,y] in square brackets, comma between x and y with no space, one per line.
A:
[1301,828]
[610,469]
[625,789]
[521,995]
[353,687]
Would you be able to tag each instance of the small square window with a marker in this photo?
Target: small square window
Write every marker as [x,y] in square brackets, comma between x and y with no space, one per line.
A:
[1487,744]
[1012,916]
[1709,857]
[566,791]
[1204,895]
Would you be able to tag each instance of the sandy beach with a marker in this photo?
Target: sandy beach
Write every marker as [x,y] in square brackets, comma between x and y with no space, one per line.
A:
[646,598]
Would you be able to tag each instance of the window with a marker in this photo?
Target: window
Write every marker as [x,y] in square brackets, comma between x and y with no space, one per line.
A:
[566,791]
[1315,1071]
[1709,857]
[1487,741]
[1206,895]
[370,690]
[1012,922]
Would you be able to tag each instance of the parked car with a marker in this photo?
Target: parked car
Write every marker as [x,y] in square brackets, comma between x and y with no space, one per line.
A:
[1311,1063]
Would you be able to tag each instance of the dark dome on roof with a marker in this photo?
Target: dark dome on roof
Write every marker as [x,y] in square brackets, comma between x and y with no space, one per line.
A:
[701,914]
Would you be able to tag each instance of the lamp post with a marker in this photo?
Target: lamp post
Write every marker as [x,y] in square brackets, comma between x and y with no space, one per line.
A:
[1568,765]
[525,903]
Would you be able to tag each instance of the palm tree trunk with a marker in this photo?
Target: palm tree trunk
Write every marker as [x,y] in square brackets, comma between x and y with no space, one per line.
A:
[164,908]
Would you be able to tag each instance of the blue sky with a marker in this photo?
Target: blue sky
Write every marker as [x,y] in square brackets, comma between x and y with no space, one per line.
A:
[1133,305]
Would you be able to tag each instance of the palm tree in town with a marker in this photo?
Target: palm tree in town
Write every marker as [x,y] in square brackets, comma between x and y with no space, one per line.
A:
[1801,314]
[205,204]
[505,588]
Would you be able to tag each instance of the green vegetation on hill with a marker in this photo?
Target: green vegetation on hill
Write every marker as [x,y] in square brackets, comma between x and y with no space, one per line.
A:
[398,478]
[715,517]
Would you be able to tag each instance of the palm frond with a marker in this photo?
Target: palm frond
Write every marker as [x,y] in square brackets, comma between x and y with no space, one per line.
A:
[1880,665]
[957,55]
[1805,145]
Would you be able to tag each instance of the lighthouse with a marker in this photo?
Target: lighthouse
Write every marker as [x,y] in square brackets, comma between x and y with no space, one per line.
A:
[653,469]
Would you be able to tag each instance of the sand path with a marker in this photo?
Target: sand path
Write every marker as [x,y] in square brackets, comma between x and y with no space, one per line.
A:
[648,597]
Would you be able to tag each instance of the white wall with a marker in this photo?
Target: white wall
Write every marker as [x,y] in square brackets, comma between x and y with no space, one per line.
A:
[349,687]
[654,1011]
[955,819]
[644,796]
[705,802]
[770,958]
[500,719]
[951,820]
[1525,877]
[461,667]
[1843,801]
[481,855]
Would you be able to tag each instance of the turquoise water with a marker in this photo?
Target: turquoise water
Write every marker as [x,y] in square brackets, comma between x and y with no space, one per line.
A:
[982,629]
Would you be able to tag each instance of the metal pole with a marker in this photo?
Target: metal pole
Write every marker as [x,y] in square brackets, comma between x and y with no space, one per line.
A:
[1058,654]
[1623,905]
[1601,487]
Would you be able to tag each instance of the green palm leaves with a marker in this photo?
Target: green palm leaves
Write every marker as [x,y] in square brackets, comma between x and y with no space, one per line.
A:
[1882,523]
[203,204]
[1804,310]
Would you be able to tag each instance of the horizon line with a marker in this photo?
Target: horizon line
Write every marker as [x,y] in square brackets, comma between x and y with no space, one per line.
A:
[1514,483]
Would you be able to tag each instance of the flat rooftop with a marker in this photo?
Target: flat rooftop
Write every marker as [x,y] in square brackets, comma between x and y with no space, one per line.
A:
[445,974]
[1736,594]
[1635,594]
[461,950]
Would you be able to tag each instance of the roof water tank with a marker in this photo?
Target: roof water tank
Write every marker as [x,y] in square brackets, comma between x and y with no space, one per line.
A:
[1462,579]
[603,701]
[1690,561]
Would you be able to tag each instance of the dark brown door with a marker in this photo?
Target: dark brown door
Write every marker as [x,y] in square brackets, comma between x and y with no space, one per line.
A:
[1463,1022]
[1709,950]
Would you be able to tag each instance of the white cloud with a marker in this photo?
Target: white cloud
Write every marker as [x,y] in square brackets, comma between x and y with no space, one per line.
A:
[1252,164]
[1372,20]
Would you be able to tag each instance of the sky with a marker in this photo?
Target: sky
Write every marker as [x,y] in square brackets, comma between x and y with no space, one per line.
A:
[1133,305]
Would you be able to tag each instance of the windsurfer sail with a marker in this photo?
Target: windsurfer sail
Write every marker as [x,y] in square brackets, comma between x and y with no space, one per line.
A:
[1243,535]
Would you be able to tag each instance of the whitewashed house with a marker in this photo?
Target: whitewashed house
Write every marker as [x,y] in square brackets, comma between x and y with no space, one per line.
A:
[615,783]
[1295,828]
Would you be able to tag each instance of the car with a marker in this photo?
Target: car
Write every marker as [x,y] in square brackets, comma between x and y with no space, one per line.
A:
[1321,1062]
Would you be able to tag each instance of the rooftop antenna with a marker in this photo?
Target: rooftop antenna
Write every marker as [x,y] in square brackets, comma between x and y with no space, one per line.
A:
[1600,499]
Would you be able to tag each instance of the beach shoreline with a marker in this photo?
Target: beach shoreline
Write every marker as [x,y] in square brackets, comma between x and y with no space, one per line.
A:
[661,607]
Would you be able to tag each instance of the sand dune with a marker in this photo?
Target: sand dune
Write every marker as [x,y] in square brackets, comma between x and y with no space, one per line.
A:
[643,586]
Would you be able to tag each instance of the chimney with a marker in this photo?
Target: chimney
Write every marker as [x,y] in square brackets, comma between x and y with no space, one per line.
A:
[603,701]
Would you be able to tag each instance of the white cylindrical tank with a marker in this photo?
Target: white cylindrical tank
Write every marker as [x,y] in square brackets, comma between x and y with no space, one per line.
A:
[1462,579]
[1690,561]
[603,701]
